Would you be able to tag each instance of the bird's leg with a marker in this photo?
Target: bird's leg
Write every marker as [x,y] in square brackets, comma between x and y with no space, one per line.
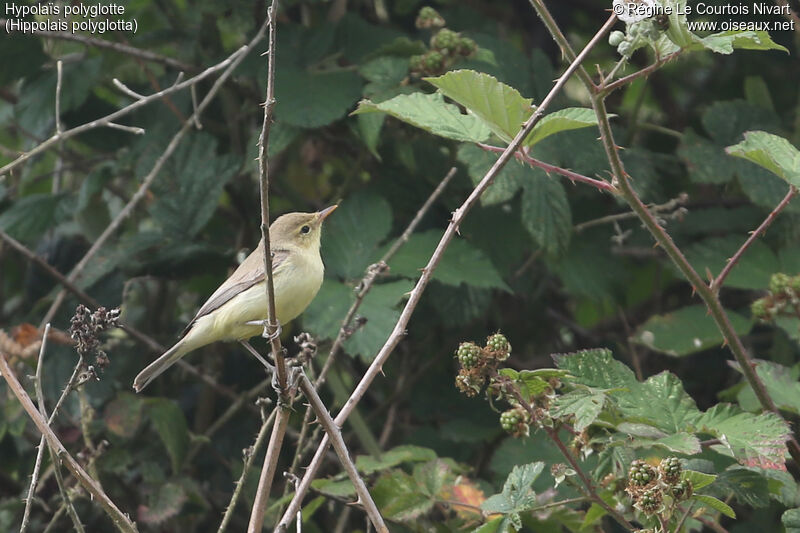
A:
[269,336]
[254,352]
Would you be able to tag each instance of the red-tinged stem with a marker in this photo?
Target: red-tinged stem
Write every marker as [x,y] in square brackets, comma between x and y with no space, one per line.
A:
[717,282]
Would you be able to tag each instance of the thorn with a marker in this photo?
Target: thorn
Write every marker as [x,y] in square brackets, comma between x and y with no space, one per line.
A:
[694,290]
[724,342]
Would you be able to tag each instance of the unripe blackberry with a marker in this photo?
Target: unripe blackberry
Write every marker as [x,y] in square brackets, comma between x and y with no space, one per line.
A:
[682,490]
[795,283]
[509,420]
[469,354]
[429,18]
[778,283]
[415,63]
[641,473]
[498,346]
[616,38]
[671,469]
[624,48]
[760,309]
[515,421]
[446,40]
[650,501]
[466,46]
[468,384]
[434,61]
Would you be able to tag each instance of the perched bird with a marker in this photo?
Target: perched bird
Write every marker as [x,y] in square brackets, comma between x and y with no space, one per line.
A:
[237,309]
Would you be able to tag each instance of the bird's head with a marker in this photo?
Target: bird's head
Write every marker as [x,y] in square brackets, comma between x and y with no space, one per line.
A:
[300,229]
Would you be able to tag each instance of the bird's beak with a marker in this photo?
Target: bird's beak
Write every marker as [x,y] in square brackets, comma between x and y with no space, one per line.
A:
[322,215]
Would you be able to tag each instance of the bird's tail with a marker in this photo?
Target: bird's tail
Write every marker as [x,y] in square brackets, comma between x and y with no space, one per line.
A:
[154,369]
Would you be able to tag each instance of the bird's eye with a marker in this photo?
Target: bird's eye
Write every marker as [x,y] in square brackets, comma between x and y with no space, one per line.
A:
[305,229]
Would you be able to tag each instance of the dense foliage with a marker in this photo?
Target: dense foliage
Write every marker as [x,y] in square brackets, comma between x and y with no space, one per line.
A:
[559,373]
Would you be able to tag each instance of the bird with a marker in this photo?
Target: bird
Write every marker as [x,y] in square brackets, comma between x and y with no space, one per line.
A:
[237,309]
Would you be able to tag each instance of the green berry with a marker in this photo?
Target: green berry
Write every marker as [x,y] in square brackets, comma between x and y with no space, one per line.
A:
[682,490]
[760,309]
[515,421]
[650,501]
[429,18]
[641,474]
[625,49]
[616,38]
[795,284]
[778,283]
[415,63]
[466,46]
[498,346]
[469,355]
[671,469]
[434,61]
[446,41]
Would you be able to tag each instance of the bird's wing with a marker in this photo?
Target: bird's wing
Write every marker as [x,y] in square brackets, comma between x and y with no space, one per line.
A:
[249,273]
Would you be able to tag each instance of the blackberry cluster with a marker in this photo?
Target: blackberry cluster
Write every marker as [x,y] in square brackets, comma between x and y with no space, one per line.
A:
[446,46]
[516,421]
[783,298]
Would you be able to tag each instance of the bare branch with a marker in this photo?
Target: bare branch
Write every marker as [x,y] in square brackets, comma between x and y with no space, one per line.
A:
[716,283]
[335,435]
[121,520]
[399,330]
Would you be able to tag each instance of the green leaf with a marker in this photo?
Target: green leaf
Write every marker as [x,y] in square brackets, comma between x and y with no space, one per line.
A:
[706,161]
[595,513]
[171,426]
[336,488]
[398,455]
[791,520]
[686,331]
[163,504]
[772,152]
[571,118]
[747,485]
[190,189]
[753,440]
[351,235]
[585,404]
[496,525]
[546,213]
[50,209]
[681,442]
[501,107]
[430,113]
[725,42]
[715,504]
[517,495]
[326,97]
[596,368]
[507,182]
[752,271]
[21,55]
[698,479]
[398,497]
[781,383]
[385,70]
[379,309]
[461,262]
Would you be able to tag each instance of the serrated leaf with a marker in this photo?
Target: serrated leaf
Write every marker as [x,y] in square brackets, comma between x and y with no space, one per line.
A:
[430,113]
[163,504]
[517,495]
[596,368]
[50,209]
[351,236]
[698,479]
[501,107]
[335,488]
[507,182]
[727,41]
[753,440]
[546,213]
[772,152]
[747,485]
[170,424]
[408,453]
[681,442]
[571,118]
[398,497]
[385,70]
[585,404]
[706,161]
[327,96]
[685,331]
[715,504]
[781,383]
[190,189]
[461,262]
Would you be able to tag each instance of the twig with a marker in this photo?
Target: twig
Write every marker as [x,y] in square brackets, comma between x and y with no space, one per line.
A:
[271,326]
[120,520]
[547,167]
[716,283]
[607,88]
[130,129]
[116,47]
[248,462]
[236,57]
[229,65]
[459,214]
[665,207]
[335,435]
[59,76]
[127,90]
